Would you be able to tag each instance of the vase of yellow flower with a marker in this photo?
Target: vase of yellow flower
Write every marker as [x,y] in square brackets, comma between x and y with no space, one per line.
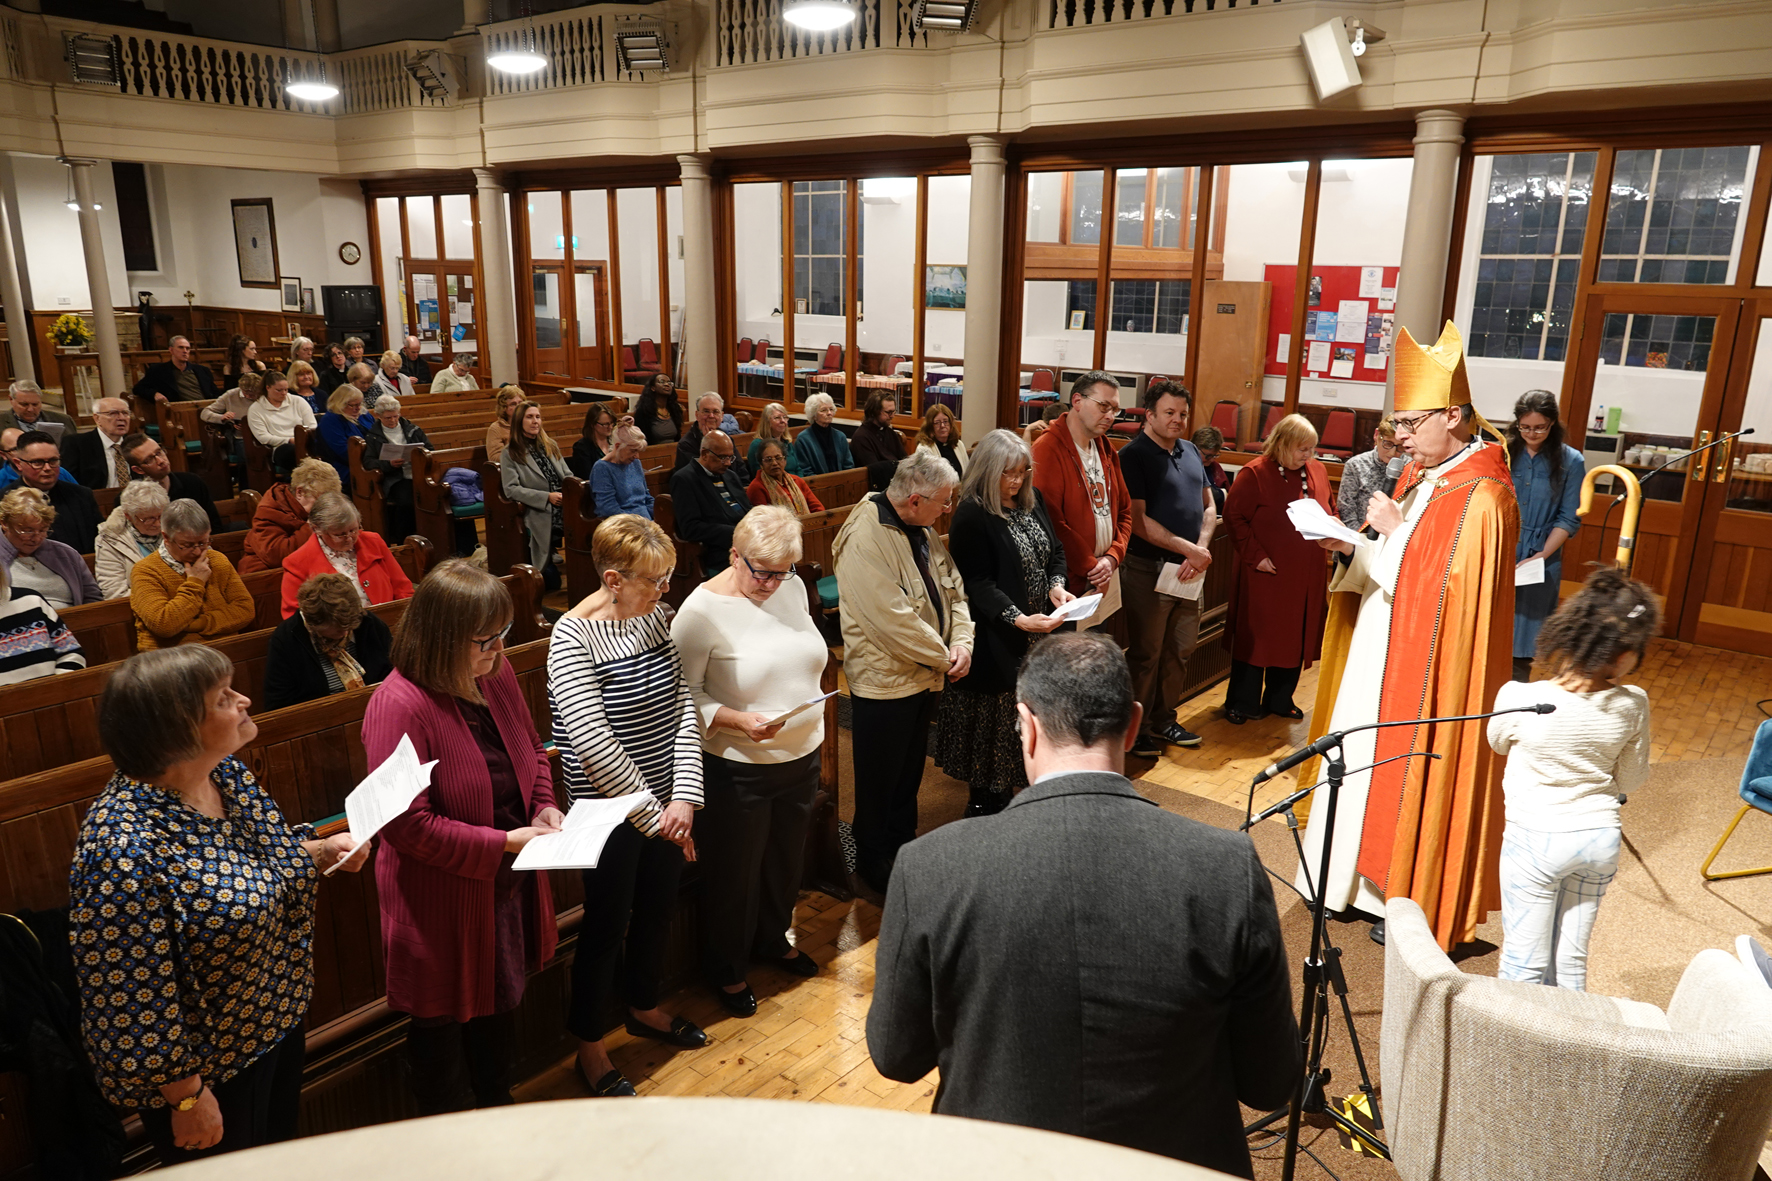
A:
[71,333]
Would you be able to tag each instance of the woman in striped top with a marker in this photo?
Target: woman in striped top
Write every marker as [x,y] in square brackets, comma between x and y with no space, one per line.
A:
[34,642]
[625,724]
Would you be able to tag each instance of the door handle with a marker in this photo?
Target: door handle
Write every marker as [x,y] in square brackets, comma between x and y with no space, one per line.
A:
[1700,463]
[1724,452]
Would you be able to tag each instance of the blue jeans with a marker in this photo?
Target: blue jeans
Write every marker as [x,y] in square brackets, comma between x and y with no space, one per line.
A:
[1551,886]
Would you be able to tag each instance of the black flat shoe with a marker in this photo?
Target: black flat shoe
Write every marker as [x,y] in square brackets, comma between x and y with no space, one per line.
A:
[612,1086]
[1291,711]
[802,965]
[1377,932]
[1236,717]
[683,1033]
[742,1003]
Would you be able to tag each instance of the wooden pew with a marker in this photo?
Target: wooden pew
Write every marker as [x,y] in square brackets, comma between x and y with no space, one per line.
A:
[432,509]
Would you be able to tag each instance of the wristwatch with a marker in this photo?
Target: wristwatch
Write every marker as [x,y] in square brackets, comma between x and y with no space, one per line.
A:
[190,1101]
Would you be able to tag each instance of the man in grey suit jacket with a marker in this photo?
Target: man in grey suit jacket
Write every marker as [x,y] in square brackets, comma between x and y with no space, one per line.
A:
[1084,961]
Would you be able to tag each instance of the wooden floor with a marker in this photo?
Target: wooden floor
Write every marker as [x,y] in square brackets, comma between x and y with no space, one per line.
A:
[807,1040]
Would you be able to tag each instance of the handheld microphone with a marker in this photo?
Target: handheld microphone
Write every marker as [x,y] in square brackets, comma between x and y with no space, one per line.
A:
[1393,471]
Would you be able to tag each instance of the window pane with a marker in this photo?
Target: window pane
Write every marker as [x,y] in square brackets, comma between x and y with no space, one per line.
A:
[421,227]
[1240,358]
[1045,206]
[888,291]
[458,226]
[1172,225]
[546,229]
[1674,215]
[393,292]
[756,245]
[1057,334]
[674,263]
[821,210]
[592,284]
[590,226]
[637,225]
[1085,207]
[944,316]
[547,309]
[1129,195]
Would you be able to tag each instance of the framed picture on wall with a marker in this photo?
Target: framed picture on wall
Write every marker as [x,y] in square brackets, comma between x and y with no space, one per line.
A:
[255,242]
[291,294]
[944,287]
[307,301]
[1077,318]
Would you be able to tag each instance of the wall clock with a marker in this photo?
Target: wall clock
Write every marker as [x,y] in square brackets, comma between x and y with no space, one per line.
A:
[350,252]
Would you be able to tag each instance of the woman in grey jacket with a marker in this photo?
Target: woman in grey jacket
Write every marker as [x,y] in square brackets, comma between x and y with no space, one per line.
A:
[531,470]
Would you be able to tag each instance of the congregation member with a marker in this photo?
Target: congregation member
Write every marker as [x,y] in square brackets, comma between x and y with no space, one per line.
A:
[335,369]
[776,484]
[304,383]
[38,462]
[1173,519]
[345,419]
[391,380]
[532,471]
[10,470]
[750,654]
[1078,474]
[128,535]
[242,360]
[460,928]
[272,419]
[618,481]
[1366,473]
[38,643]
[710,416]
[710,500]
[1276,614]
[876,444]
[498,431]
[330,645]
[657,412]
[1430,602]
[184,592]
[1041,425]
[1209,441]
[354,349]
[1567,775]
[340,543]
[1012,562]
[1547,476]
[456,378]
[227,412]
[301,349]
[95,457]
[414,367]
[211,1058]
[625,724]
[773,424]
[940,433]
[28,412]
[280,523]
[907,632]
[595,440]
[1010,959]
[148,461]
[399,517]
[181,379]
[820,447]
[35,561]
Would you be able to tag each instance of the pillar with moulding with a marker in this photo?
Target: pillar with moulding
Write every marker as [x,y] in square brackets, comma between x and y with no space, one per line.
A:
[295,25]
[498,315]
[984,287]
[1427,230]
[473,14]
[326,26]
[98,287]
[12,291]
[699,334]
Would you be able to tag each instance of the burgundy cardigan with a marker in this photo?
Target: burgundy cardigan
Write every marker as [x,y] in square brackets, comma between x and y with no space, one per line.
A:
[1058,474]
[435,867]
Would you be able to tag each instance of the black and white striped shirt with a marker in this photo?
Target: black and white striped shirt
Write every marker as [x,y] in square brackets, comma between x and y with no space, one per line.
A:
[623,717]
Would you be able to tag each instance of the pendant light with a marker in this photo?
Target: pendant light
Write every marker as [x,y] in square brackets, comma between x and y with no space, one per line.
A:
[521,55]
[316,89]
[818,16]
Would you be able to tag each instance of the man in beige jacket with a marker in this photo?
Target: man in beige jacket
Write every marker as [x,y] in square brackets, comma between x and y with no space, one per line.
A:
[906,633]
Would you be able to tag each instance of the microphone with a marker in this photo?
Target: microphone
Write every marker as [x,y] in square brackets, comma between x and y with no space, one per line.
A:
[1393,471]
[1545,707]
[1333,739]
[1321,746]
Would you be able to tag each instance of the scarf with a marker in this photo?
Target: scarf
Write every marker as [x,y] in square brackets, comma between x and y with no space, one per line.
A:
[165,555]
[345,563]
[143,542]
[786,493]
[338,652]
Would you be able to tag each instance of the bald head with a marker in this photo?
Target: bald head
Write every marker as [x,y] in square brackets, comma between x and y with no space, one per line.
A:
[9,440]
[717,451]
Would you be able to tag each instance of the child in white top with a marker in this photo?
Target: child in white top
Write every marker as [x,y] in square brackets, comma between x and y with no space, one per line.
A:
[1567,773]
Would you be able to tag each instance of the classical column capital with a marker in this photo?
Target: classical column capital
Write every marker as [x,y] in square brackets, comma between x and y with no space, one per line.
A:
[986,149]
[488,178]
[1439,127]
[694,167]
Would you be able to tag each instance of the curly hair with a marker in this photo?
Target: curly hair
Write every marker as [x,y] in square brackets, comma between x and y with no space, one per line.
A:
[330,598]
[1610,615]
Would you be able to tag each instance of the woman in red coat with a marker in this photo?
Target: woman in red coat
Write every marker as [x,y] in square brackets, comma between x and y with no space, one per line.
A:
[341,543]
[1276,616]
[460,927]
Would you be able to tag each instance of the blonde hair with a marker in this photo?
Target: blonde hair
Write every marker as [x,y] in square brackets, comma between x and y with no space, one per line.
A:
[926,432]
[630,544]
[1289,432]
[454,603]
[315,476]
[1387,426]
[520,442]
[250,383]
[392,357]
[341,395]
[769,533]
[505,396]
[24,503]
[296,369]
[766,428]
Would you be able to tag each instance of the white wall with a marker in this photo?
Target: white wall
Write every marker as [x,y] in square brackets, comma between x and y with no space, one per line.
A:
[51,256]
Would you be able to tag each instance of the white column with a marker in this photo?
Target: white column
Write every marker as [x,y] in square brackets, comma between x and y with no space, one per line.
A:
[1427,229]
[18,320]
[498,319]
[474,13]
[98,285]
[984,287]
[698,276]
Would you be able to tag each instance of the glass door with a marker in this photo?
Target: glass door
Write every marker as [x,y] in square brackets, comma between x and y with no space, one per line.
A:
[460,315]
[590,298]
[549,314]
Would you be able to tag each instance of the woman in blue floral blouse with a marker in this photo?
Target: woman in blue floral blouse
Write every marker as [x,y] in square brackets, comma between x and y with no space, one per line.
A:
[193,913]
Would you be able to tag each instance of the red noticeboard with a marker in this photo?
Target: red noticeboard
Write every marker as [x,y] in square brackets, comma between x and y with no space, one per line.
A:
[1336,289]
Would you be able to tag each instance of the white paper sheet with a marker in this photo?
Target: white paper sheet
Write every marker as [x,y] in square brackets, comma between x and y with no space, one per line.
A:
[1169,582]
[386,792]
[52,429]
[1387,299]
[392,451]
[1350,320]
[1313,523]
[1375,360]
[581,838]
[1105,607]
[1371,282]
[1341,369]
[802,707]
[1078,607]
[1318,358]
[1283,352]
[1529,573]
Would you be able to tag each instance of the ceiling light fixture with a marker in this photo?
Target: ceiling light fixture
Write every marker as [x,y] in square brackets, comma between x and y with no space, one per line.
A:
[640,47]
[519,54]
[312,90]
[946,16]
[818,16]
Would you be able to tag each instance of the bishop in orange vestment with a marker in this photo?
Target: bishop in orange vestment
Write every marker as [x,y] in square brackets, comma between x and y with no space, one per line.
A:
[1432,602]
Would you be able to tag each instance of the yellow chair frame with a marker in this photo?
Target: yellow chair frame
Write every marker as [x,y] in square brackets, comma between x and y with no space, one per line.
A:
[1704,870]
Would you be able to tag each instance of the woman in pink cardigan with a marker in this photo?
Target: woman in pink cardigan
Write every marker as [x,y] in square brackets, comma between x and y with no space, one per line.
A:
[461,928]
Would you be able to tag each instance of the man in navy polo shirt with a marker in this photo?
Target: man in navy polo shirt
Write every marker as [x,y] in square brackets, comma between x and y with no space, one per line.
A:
[1173,517]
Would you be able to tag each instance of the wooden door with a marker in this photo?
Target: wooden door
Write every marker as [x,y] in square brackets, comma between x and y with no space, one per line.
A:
[549,316]
[1232,318]
[590,301]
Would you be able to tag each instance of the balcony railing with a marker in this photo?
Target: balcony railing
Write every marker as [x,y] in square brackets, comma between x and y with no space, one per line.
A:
[376,78]
[750,31]
[194,69]
[1067,14]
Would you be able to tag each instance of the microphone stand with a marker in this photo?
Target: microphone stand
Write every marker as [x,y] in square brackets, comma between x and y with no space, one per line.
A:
[1644,479]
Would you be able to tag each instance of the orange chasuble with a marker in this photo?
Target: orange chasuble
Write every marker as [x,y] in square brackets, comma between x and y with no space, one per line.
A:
[1433,826]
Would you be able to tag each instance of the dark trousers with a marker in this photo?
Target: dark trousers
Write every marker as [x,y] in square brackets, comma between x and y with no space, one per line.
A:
[1161,634]
[890,740]
[399,520]
[750,839]
[1244,693]
[260,1105]
[627,919]
[459,1066]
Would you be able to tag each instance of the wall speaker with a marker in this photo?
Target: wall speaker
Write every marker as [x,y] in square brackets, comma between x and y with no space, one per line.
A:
[1330,58]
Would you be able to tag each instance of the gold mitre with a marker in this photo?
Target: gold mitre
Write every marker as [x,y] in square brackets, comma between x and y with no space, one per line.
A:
[1433,378]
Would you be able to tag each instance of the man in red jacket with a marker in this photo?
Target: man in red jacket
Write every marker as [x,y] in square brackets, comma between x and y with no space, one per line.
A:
[1078,474]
